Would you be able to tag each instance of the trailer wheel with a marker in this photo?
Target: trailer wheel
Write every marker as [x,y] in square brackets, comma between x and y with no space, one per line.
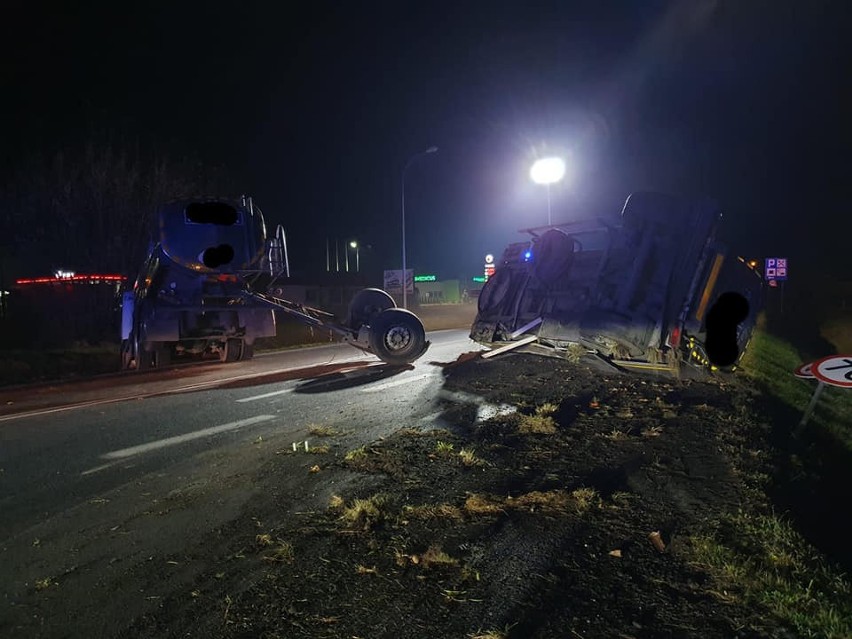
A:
[127,359]
[144,359]
[232,350]
[397,336]
[248,351]
[162,355]
[365,305]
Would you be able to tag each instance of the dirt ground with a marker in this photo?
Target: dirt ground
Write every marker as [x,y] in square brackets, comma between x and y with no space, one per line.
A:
[564,505]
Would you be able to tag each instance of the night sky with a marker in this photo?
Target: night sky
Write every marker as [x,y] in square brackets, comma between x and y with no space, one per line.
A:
[314,109]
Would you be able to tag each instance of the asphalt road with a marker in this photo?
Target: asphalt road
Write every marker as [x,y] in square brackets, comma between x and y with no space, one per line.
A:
[83,466]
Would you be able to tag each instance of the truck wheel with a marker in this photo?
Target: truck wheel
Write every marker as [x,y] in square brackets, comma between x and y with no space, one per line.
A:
[127,359]
[232,350]
[365,305]
[553,257]
[494,291]
[144,359]
[162,355]
[248,351]
[397,336]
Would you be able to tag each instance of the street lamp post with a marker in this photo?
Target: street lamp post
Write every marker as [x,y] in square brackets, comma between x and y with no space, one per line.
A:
[354,244]
[548,171]
[431,149]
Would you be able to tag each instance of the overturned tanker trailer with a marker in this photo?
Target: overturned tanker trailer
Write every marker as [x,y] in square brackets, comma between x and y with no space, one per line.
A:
[211,284]
[647,290]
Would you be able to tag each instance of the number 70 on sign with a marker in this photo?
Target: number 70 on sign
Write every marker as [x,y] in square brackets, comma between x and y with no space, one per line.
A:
[835,370]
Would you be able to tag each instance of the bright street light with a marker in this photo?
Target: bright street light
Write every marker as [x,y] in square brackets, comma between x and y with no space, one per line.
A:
[354,244]
[547,171]
[431,149]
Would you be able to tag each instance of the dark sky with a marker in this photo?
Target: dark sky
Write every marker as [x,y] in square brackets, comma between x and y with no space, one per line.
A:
[316,107]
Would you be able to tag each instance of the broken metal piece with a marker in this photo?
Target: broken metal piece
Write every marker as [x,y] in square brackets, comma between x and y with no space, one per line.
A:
[523,329]
[508,347]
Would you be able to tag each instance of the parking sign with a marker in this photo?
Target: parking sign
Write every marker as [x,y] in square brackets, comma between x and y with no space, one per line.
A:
[776,269]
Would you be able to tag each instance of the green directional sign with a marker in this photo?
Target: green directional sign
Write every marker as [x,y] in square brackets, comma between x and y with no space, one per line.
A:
[479,279]
[425,278]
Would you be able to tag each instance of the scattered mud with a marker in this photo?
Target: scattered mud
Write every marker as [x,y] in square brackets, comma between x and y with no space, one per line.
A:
[577,525]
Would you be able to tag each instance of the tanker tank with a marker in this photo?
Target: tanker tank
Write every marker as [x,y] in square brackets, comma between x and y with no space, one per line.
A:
[210,285]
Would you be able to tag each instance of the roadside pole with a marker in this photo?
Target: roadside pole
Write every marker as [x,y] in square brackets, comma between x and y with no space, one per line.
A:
[810,409]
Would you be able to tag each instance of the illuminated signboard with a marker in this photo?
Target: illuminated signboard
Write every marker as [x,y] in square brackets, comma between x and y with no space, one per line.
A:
[425,278]
[479,279]
[489,266]
[776,269]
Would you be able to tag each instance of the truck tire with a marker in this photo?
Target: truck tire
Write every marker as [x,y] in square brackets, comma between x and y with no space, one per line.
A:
[397,336]
[232,350]
[144,359]
[127,359]
[248,351]
[162,355]
[553,256]
[365,305]
[494,291]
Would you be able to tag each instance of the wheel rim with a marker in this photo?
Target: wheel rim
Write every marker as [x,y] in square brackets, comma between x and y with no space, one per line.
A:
[397,338]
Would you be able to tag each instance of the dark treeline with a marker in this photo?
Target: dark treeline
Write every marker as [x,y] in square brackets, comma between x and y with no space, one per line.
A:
[86,205]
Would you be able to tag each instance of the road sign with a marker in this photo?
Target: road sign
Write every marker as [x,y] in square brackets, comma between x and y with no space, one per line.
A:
[489,266]
[835,370]
[775,269]
[393,281]
[804,371]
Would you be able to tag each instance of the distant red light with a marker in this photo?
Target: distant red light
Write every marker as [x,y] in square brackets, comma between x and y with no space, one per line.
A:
[91,279]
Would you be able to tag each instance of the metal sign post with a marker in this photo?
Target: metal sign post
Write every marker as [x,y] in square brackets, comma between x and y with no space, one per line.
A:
[489,266]
[775,271]
[811,406]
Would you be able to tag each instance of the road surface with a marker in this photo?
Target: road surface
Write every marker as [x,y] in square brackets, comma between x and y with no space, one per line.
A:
[99,477]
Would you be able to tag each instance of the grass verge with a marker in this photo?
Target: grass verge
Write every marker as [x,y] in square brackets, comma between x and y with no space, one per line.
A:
[770,362]
[762,560]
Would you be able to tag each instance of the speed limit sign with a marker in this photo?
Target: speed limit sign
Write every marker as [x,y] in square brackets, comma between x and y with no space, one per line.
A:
[804,371]
[835,370]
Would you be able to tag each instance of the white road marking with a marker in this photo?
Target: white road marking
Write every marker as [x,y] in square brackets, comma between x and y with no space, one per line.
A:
[179,439]
[59,409]
[265,395]
[398,382]
[97,469]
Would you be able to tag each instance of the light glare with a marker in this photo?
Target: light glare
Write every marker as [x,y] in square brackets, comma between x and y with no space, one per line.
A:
[547,170]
